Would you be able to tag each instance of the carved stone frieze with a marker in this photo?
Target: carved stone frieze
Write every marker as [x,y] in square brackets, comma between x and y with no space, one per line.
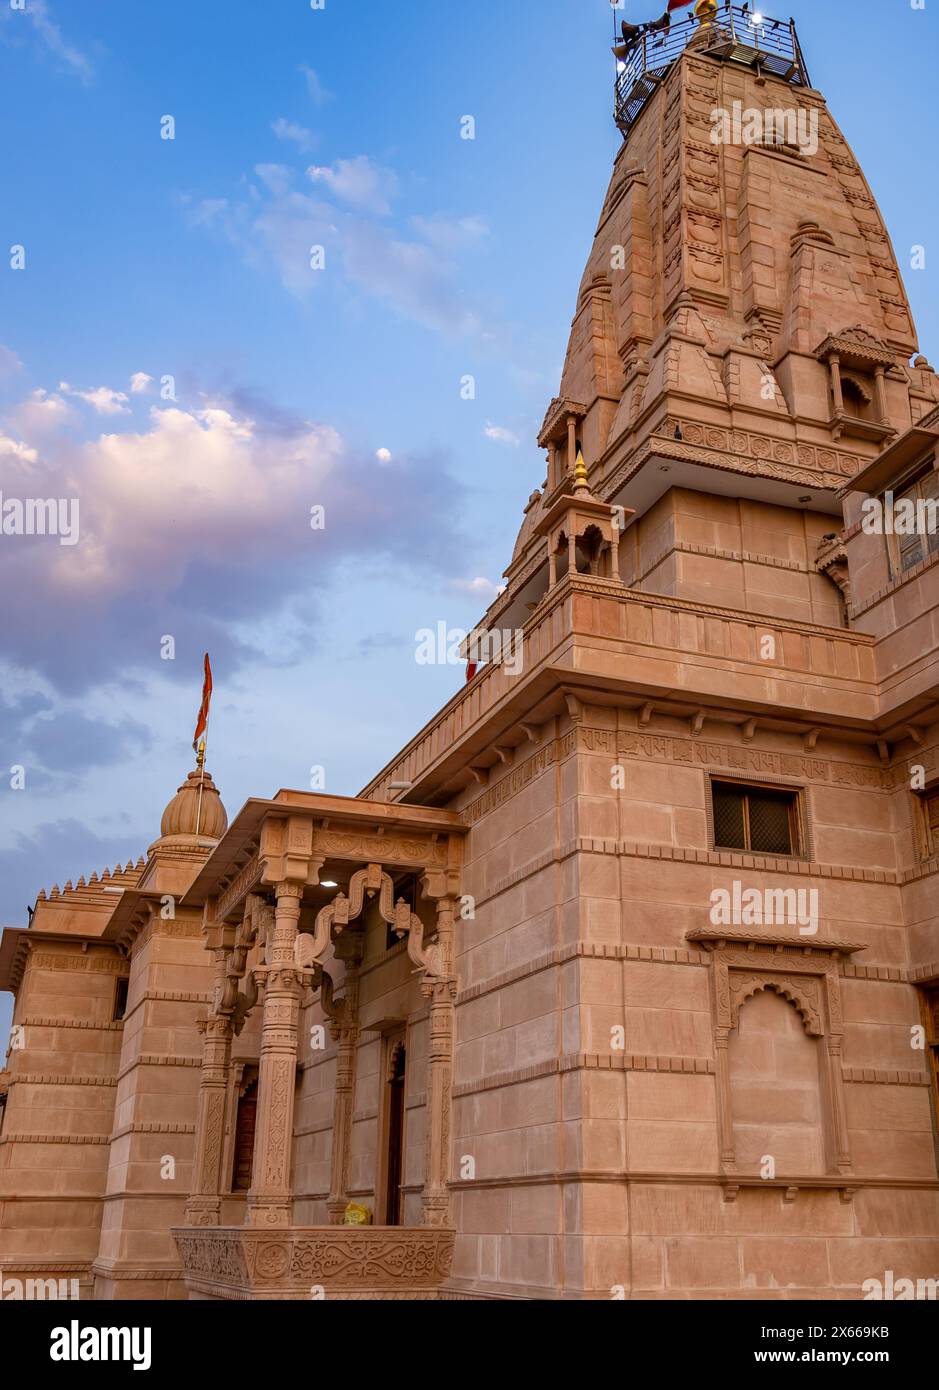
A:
[383,849]
[245,1263]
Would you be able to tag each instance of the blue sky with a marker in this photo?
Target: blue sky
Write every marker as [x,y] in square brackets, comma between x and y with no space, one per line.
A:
[189,258]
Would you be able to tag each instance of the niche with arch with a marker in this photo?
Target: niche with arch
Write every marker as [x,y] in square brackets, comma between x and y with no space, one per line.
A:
[778,1040]
[777,1088]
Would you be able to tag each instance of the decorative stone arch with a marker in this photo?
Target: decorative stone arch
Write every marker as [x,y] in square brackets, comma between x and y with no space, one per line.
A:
[593,544]
[857,387]
[803,994]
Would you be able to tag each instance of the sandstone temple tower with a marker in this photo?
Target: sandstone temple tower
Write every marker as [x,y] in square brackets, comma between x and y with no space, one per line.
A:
[516,1000]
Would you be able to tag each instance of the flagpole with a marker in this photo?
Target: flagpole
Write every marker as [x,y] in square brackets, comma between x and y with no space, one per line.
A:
[200,763]
[200,752]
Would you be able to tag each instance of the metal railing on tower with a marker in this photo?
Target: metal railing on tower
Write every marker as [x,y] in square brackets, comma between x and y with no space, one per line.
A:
[733,33]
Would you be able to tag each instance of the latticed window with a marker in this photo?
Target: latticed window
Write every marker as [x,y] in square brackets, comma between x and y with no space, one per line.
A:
[761,820]
[931,819]
[910,550]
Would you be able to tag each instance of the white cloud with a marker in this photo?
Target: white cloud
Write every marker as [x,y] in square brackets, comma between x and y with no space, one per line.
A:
[53,40]
[207,211]
[152,491]
[383,455]
[479,587]
[414,273]
[102,399]
[276,178]
[139,383]
[41,413]
[295,134]
[198,523]
[499,435]
[359,183]
[14,448]
[314,86]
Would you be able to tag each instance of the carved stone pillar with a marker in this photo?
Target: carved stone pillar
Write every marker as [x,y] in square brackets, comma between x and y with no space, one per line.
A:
[347,1025]
[571,443]
[880,394]
[205,1202]
[839,1116]
[724,1112]
[614,553]
[441,988]
[270,1198]
[834,366]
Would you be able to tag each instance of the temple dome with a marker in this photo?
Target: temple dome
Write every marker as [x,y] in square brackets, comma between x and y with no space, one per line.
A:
[529,523]
[183,817]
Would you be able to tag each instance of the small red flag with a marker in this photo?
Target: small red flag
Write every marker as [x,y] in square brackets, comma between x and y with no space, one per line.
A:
[471,669]
[202,721]
[677,5]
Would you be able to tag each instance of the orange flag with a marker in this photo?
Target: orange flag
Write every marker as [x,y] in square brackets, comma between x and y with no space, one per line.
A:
[202,721]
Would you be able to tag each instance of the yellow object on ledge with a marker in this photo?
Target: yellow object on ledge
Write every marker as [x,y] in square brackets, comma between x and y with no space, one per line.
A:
[357,1215]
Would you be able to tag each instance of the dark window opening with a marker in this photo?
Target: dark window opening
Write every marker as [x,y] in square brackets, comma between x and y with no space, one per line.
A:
[245,1124]
[120,999]
[759,820]
[395,1151]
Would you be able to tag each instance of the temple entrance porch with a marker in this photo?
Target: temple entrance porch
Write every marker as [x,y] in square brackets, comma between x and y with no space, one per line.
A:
[303,922]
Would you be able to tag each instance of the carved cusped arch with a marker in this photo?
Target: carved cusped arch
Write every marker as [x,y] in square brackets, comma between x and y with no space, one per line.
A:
[803,994]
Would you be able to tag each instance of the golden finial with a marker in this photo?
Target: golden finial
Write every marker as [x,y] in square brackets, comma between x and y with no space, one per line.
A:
[200,755]
[705,12]
[580,470]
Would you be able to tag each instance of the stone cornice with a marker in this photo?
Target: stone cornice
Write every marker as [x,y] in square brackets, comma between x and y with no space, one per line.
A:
[149,1127]
[59,1079]
[159,1059]
[715,938]
[869,1076]
[96,1139]
[586,1061]
[44,1021]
